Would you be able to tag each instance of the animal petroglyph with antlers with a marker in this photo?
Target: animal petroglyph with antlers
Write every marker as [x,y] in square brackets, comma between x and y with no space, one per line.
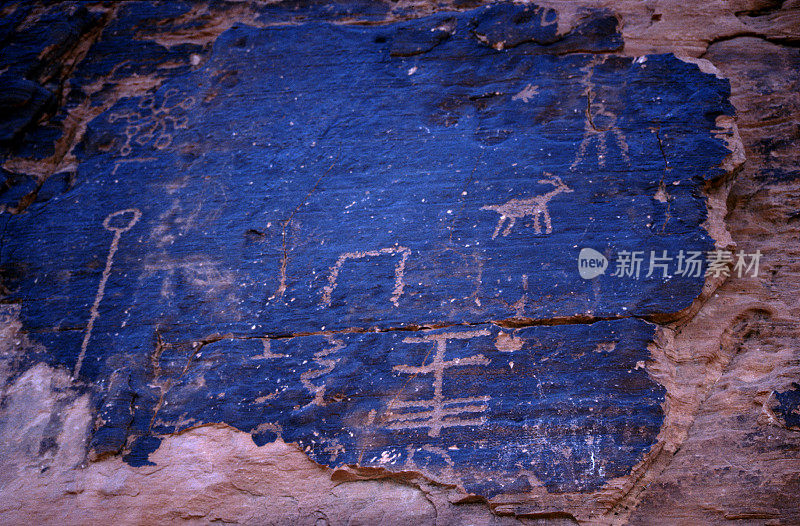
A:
[530,206]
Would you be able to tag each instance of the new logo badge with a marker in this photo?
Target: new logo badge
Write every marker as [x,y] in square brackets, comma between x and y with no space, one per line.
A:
[591,263]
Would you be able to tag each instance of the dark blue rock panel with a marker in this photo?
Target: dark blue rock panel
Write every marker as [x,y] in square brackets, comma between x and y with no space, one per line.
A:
[787,408]
[319,233]
[497,410]
[432,189]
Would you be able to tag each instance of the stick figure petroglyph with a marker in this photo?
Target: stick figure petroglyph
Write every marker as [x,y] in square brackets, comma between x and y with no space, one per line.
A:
[530,206]
[593,132]
[128,217]
[399,270]
[598,124]
[437,413]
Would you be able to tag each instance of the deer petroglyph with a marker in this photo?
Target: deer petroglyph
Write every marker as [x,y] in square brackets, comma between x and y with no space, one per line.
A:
[530,206]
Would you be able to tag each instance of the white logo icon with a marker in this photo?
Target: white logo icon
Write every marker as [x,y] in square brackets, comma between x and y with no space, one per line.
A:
[591,263]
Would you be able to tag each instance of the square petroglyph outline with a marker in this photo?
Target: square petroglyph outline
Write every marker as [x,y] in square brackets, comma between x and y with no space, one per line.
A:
[399,270]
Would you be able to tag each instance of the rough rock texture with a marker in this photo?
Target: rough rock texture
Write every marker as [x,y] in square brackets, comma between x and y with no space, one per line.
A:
[297,354]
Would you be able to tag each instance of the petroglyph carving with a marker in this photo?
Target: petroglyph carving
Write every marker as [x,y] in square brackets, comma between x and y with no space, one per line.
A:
[438,413]
[285,228]
[172,224]
[530,206]
[123,162]
[197,271]
[598,124]
[182,216]
[399,270]
[508,342]
[118,222]
[327,364]
[268,354]
[527,93]
[154,122]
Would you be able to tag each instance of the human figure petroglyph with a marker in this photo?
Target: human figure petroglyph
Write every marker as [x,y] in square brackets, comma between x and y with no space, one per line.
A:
[598,123]
[592,133]
[530,206]
[438,412]
[128,218]
[399,271]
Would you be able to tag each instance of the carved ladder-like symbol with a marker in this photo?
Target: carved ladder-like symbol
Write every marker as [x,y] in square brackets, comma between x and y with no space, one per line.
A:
[135,215]
[438,412]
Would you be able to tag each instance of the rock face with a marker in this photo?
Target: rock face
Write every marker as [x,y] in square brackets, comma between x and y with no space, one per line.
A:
[383,263]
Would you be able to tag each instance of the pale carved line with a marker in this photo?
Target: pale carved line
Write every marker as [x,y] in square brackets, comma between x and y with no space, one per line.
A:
[321,358]
[441,413]
[101,289]
[399,270]
[268,354]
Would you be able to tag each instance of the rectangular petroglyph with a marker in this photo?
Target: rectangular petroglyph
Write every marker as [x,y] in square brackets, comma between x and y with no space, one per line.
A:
[399,281]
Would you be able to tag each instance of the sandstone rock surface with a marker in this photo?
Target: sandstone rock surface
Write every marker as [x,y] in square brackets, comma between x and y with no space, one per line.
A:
[300,263]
